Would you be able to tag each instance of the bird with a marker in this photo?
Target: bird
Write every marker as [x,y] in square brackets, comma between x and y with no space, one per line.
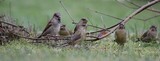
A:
[79,32]
[120,35]
[149,35]
[64,31]
[53,26]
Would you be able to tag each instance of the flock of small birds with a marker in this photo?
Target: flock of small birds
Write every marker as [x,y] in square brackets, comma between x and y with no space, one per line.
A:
[56,28]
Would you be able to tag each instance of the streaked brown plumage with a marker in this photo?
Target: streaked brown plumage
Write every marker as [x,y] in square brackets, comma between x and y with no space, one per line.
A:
[79,32]
[53,26]
[120,35]
[149,35]
[64,31]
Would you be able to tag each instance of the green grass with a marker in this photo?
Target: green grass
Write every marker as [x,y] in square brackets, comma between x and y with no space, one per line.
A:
[38,12]
[102,51]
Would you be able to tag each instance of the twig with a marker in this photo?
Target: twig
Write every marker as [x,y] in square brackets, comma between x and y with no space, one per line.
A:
[92,26]
[148,18]
[92,36]
[67,11]
[149,9]
[54,38]
[128,18]
[105,14]
[122,19]
[73,22]
[118,19]
[14,26]
[103,22]
[125,5]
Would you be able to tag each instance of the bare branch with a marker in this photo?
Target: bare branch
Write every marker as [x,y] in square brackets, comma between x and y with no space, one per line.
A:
[67,11]
[105,14]
[149,9]
[125,5]
[148,18]
[128,18]
[52,38]
[73,19]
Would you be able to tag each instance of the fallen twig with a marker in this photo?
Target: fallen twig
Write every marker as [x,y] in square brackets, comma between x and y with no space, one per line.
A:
[52,38]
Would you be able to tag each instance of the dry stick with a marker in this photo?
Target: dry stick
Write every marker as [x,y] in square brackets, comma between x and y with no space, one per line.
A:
[152,17]
[122,19]
[149,9]
[13,25]
[105,28]
[125,5]
[55,38]
[147,18]
[90,21]
[128,18]
[103,22]
[105,14]
[73,19]
[67,11]
[118,19]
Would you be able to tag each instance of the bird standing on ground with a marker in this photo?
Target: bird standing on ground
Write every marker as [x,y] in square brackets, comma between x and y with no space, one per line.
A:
[120,35]
[53,26]
[149,35]
[79,32]
[64,31]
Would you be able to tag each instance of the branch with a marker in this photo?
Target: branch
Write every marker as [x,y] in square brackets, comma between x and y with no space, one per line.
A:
[15,26]
[149,9]
[105,14]
[91,26]
[148,18]
[128,18]
[73,22]
[53,38]
[67,11]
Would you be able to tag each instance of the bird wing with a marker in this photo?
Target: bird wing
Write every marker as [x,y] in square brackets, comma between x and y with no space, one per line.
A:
[75,29]
[75,37]
[48,25]
[145,34]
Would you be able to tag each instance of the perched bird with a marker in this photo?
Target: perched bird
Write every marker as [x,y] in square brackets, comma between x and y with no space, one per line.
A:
[53,26]
[79,32]
[64,31]
[149,35]
[120,35]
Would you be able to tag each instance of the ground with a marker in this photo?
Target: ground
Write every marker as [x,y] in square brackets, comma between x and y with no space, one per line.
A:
[30,13]
[101,50]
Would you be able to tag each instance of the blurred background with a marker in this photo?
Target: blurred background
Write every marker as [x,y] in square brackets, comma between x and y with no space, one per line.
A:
[39,12]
